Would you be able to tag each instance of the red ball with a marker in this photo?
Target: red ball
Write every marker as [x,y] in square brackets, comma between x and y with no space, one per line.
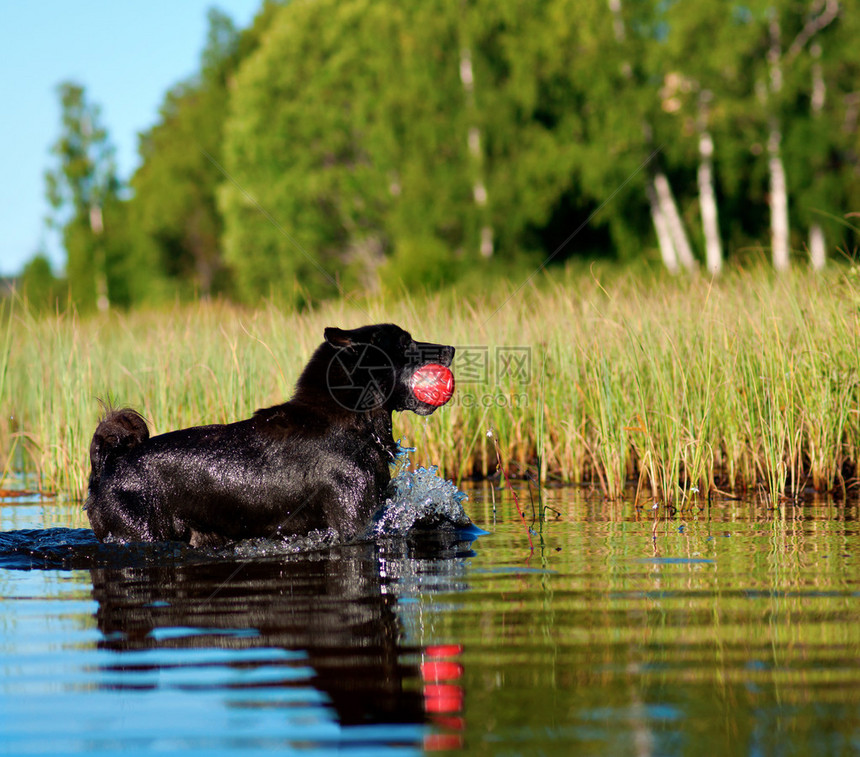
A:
[433,384]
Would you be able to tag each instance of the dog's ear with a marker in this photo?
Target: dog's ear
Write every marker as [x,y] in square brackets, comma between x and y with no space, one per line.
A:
[339,338]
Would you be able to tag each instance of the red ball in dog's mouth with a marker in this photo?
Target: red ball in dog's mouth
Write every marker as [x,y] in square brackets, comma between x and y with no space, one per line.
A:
[433,384]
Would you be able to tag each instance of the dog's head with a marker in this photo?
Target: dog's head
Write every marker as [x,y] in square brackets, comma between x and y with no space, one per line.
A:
[382,366]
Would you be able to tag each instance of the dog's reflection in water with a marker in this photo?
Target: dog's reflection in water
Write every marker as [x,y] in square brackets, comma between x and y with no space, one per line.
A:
[341,611]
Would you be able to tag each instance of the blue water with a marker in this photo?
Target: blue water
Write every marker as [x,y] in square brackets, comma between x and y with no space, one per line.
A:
[617,634]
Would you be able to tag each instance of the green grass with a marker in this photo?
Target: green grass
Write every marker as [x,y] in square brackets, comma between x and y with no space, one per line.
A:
[748,383]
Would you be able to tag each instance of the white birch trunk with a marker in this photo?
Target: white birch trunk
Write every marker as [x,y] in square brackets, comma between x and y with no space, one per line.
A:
[671,237]
[674,222]
[99,263]
[817,245]
[620,34]
[708,204]
[479,189]
[778,201]
[776,169]
[664,237]
[617,20]
[823,13]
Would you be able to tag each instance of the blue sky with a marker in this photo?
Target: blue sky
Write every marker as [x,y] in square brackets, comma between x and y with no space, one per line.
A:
[127,55]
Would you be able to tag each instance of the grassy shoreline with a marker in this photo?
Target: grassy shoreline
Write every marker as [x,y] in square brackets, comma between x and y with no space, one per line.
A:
[748,383]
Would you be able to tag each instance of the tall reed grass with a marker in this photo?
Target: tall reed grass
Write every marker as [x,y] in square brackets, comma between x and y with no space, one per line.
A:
[677,386]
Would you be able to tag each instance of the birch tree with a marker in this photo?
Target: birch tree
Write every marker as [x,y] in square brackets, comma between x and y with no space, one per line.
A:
[817,246]
[700,85]
[674,222]
[780,57]
[778,197]
[707,192]
[821,14]
[174,210]
[662,227]
[675,249]
[83,182]
[473,139]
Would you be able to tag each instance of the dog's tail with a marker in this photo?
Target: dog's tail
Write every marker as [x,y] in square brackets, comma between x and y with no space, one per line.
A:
[117,433]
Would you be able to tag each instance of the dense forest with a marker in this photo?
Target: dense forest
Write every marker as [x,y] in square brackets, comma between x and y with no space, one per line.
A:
[337,144]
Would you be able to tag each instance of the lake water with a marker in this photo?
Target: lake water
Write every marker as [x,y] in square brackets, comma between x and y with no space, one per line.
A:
[732,629]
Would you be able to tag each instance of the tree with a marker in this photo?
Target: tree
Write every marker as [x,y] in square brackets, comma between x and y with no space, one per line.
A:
[80,188]
[41,289]
[176,229]
[174,207]
[707,190]
[776,167]
[817,244]
[298,184]
[637,34]
[491,132]
[817,59]
[782,17]
[754,98]
[461,136]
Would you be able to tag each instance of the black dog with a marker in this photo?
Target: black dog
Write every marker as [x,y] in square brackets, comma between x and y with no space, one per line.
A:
[319,461]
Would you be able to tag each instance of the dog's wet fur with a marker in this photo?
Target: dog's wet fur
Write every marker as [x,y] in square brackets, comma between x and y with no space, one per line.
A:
[319,461]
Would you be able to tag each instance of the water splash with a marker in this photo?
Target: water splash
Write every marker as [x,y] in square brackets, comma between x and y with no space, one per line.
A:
[279,546]
[420,500]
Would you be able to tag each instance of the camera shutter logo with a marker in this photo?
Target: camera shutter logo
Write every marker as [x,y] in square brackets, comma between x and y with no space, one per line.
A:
[361,383]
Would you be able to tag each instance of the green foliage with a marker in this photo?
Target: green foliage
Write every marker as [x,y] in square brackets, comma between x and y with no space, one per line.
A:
[343,146]
[165,239]
[80,189]
[40,288]
[298,176]
[337,144]
[174,213]
[86,174]
[733,73]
